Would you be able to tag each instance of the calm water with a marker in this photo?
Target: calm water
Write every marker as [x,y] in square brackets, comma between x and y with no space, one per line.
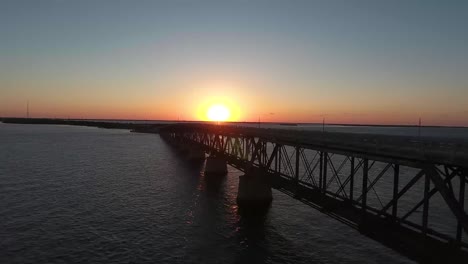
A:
[460,133]
[79,194]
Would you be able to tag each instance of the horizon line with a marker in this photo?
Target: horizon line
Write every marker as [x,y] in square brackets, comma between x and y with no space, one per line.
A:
[243,122]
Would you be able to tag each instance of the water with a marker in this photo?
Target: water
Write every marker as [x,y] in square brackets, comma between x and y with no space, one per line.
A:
[88,195]
[459,133]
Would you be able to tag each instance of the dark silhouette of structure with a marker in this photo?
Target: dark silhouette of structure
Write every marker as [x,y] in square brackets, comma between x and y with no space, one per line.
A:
[380,185]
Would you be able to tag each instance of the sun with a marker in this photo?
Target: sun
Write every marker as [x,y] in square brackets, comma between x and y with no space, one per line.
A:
[218,113]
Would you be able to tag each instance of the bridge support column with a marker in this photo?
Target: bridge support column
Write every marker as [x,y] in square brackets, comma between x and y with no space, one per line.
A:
[196,154]
[181,147]
[254,190]
[215,166]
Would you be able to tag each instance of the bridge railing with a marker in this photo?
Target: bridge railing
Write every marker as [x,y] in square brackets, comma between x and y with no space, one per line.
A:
[425,199]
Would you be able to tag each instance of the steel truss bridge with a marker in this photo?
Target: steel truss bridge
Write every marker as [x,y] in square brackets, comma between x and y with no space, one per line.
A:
[406,193]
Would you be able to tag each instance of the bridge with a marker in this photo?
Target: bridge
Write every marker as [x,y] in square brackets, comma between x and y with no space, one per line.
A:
[405,192]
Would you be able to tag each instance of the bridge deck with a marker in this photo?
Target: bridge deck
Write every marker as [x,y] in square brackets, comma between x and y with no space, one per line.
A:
[404,149]
[337,174]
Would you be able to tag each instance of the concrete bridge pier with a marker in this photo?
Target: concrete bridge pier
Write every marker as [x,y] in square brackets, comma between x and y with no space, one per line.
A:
[254,189]
[181,147]
[195,154]
[215,165]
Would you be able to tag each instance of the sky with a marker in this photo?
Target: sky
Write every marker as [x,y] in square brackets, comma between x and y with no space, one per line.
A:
[372,62]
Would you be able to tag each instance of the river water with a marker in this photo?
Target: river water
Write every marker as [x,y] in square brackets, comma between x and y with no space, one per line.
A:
[88,195]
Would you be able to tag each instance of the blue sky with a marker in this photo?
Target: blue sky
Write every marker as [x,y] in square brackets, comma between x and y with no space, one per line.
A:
[351,61]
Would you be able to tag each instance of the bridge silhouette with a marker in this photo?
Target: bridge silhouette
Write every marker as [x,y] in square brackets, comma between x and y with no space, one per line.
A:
[405,192]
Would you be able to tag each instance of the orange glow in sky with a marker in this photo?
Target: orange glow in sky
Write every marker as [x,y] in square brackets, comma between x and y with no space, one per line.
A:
[218,109]
[218,113]
[255,62]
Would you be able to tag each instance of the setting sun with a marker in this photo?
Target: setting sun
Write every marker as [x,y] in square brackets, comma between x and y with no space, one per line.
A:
[218,108]
[218,113]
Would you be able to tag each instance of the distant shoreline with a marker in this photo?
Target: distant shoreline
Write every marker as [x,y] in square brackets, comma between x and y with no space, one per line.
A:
[129,124]
[141,128]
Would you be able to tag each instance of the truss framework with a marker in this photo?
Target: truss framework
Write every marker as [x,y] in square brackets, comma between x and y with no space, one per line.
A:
[356,188]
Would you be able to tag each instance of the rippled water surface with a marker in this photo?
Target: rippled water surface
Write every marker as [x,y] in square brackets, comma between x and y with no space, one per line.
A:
[88,195]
